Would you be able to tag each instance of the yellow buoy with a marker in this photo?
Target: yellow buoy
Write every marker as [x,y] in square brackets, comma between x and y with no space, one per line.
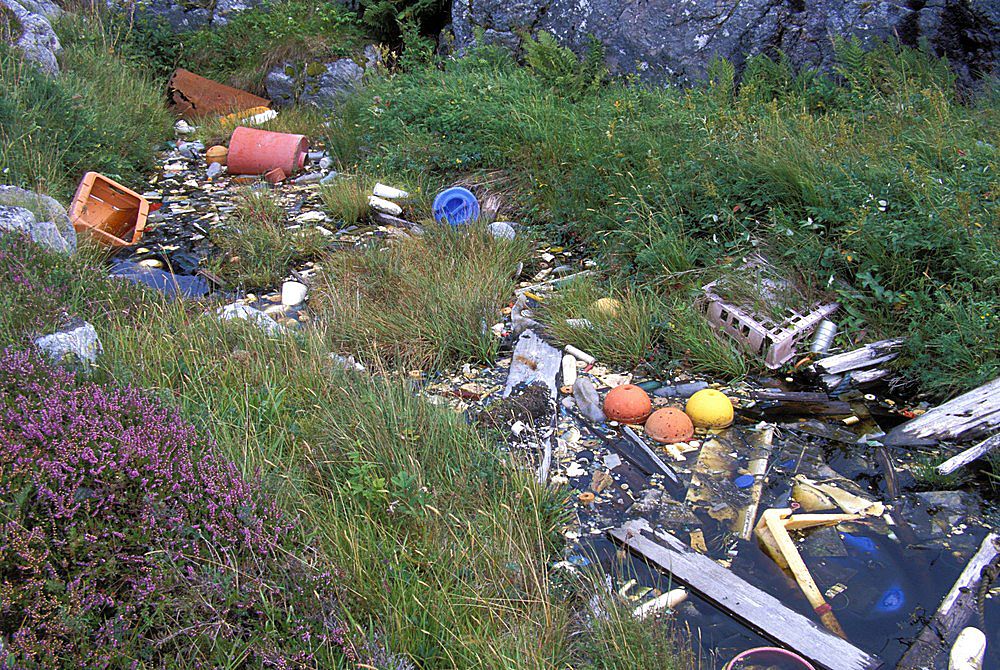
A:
[709,409]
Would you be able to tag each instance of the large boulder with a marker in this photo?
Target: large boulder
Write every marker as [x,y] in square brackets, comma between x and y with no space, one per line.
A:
[319,84]
[24,23]
[184,15]
[675,40]
[39,216]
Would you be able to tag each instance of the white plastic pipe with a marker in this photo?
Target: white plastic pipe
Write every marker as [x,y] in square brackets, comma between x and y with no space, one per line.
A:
[568,370]
[582,355]
[668,600]
[390,192]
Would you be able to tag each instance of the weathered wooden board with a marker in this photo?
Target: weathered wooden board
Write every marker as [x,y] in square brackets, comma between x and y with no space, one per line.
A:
[760,611]
[957,607]
[970,416]
[969,455]
[537,361]
[867,356]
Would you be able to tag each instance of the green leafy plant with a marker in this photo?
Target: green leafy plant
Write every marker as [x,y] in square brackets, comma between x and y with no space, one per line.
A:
[387,18]
[560,68]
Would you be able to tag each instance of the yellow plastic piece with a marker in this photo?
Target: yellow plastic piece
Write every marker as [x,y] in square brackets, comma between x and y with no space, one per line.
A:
[710,409]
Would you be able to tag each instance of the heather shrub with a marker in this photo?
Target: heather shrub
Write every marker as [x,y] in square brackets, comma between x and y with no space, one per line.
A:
[127,542]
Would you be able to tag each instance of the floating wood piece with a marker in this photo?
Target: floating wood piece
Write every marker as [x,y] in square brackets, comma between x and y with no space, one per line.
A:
[957,607]
[762,442]
[639,442]
[536,361]
[771,402]
[969,455]
[970,416]
[865,357]
[760,611]
[772,533]
[191,96]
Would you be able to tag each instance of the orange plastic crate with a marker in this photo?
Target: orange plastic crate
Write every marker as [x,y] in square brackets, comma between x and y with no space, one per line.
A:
[107,212]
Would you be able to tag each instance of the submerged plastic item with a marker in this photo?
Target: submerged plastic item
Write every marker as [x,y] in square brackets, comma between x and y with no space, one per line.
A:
[169,284]
[455,205]
[255,151]
[767,657]
[109,213]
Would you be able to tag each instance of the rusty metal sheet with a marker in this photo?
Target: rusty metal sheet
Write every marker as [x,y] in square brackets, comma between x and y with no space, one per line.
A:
[191,96]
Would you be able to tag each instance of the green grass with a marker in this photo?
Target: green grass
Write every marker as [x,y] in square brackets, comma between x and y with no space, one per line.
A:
[445,545]
[103,113]
[420,302]
[346,199]
[882,180]
[624,335]
[242,51]
[254,249]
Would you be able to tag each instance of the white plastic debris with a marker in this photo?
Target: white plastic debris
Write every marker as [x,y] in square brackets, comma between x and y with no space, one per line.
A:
[182,127]
[568,370]
[582,355]
[668,600]
[383,205]
[501,230]
[293,293]
[390,192]
[968,651]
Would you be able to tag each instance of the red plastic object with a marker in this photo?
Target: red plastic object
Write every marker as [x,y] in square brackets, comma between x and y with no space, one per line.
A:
[107,212]
[255,151]
[275,176]
[627,404]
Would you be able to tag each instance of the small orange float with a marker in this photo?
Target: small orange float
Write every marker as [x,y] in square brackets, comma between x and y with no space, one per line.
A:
[627,404]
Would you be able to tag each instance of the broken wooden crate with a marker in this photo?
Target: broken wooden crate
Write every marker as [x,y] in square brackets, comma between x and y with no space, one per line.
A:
[107,212]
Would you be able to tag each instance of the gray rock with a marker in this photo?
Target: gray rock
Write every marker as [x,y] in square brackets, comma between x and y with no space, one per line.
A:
[502,230]
[253,315]
[319,84]
[80,340]
[675,40]
[49,224]
[34,35]
[46,8]
[214,170]
[183,15]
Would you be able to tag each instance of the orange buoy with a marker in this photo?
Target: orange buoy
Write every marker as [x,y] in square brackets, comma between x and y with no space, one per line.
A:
[627,404]
[255,151]
[669,425]
[216,154]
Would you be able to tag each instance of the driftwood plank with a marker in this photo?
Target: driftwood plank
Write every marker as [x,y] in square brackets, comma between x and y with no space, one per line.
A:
[536,361]
[957,607]
[969,455]
[866,356]
[970,416]
[760,611]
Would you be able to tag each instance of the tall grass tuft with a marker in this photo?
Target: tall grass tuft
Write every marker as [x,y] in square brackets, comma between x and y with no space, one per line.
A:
[420,302]
[255,247]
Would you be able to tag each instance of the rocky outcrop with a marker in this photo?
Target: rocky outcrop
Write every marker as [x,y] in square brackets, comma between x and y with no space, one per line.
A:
[319,84]
[675,40]
[26,24]
[183,15]
[39,216]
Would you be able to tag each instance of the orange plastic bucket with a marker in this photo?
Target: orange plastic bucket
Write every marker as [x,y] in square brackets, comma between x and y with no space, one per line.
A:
[255,151]
[107,212]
